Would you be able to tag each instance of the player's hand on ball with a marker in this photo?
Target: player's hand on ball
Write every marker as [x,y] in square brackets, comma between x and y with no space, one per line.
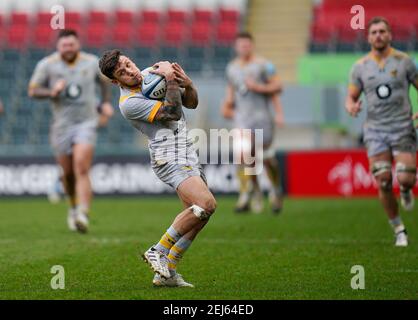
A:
[354,108]
[181,77]
[163,68]
[58,87]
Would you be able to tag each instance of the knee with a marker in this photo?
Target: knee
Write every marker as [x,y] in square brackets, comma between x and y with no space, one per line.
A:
[406,175]
[209,205]
[205,208]
[384,181]
[406,180]
[80,168]
[382,171]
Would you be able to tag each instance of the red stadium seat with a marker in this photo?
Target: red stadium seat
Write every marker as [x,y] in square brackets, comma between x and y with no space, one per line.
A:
[407,18]
[17,36]
[73,18]
[43,18]
[43,36]
[203,15]
[226,32]
[152,16]
[174,34]
[322,34]
[122,34]
[201,33]
[123,16]
[177,15]
[147,34]
[333,19]
[230,15]
[333,14]
[19,18]
[402,33]
[2,33]
[338,4]
[97,35]
[95,17]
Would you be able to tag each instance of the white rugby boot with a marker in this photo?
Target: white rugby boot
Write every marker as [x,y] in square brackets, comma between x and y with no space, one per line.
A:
[72,213]
[407,200]
[158,262]
[276,201]
[401,239]
[243,203]
[257,201]
[175,281]
[56,192]
[81,222]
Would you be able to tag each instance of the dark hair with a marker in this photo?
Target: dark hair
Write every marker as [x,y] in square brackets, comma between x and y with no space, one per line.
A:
[377,20]
[108,62]
[67,33]
[244,35]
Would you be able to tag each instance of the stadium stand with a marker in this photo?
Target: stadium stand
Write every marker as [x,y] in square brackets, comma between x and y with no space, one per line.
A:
[196,33]
[330,31]
[310,46]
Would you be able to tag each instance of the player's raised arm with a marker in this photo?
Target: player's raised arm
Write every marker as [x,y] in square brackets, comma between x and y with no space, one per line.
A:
[106,108]
[172,107]
[105,88]
[106,112]
[227,108]
[189,96]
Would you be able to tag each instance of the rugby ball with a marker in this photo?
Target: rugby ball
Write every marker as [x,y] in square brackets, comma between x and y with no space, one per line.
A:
[154,86]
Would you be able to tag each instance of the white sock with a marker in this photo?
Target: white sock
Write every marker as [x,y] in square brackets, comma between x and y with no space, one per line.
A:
[397,224]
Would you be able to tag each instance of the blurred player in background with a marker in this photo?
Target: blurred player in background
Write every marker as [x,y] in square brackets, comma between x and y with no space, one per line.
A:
[1,107]
[253,85]
[56,193]
[384,76]
[70,79]
[173,157]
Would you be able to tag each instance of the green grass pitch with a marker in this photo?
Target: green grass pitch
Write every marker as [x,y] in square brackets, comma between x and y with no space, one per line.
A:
[305,253]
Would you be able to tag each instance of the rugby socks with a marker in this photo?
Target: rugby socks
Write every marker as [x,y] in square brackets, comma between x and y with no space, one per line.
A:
[244,180]
[83,209]
[397,224]
[73,201]
[176,253]
[168,240]
[278,191]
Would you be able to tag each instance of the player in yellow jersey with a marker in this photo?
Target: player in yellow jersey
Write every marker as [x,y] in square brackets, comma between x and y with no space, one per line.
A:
[384,76]
[253,87]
